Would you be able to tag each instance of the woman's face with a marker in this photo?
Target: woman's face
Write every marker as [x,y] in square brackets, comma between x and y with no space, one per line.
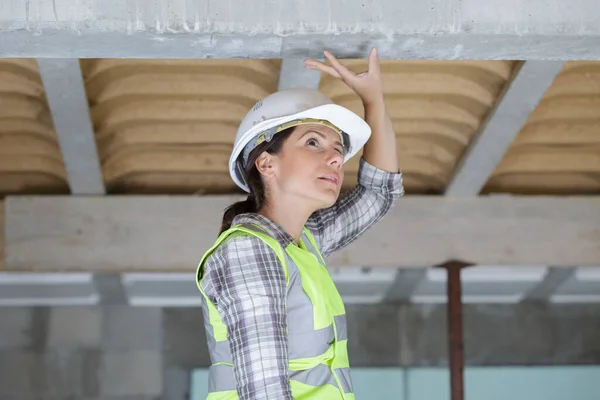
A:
[309,166]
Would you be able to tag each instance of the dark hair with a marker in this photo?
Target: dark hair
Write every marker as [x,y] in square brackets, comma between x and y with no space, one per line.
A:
[256,198]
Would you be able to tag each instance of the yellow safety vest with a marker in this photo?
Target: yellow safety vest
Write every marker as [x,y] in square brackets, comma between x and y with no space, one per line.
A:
[317,333]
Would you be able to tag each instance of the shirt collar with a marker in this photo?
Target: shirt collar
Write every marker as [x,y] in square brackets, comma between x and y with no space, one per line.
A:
[273,229]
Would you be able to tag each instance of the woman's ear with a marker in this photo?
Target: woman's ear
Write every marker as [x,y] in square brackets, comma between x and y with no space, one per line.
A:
[265,164]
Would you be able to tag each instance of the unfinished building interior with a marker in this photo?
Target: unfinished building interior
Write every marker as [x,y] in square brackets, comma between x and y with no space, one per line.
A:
[117,120]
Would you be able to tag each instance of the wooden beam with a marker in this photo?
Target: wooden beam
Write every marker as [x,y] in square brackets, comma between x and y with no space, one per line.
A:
[520,97]
[163,233]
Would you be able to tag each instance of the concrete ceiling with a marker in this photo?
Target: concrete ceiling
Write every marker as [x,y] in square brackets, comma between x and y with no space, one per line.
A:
[166,126]
[145,99]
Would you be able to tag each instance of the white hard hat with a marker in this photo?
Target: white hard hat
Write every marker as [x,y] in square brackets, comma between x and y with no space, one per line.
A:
[287,108]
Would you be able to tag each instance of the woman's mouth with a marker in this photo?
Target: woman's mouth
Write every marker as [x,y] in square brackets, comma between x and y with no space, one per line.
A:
[333,178]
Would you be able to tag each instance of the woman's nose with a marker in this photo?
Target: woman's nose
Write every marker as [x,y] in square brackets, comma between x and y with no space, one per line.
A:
[334,158]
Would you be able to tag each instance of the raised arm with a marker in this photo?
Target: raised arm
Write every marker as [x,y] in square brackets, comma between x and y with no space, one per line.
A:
[339,225]
[379,179]
[248,283]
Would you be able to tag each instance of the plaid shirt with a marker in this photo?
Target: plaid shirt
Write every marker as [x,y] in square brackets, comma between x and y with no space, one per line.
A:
[246,282]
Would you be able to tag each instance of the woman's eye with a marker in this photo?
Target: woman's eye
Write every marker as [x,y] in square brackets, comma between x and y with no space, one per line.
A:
[312,142]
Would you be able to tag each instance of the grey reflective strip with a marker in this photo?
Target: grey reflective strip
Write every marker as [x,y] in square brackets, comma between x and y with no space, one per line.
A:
[221,351]
[315,252]
[317,376]
[210,335]
[293,272]
[340,326]
[304,341]
[309,344]
[343,375]
[210,341]
[220,378]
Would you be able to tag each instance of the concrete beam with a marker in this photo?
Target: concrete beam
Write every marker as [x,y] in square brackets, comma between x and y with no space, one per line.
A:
[404,285]
[520,98]
[57,233]
[293,74]
[110,289]
[436,29]
[40,289]
[555,277]
[65,93]
[582,286]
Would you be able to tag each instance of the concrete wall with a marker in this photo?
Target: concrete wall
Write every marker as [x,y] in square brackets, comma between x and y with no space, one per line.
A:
[81,353]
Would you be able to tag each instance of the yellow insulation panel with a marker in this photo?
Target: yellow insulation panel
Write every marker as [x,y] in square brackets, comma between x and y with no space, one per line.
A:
[558,149]
[30,159]
[436,108]
[168,126]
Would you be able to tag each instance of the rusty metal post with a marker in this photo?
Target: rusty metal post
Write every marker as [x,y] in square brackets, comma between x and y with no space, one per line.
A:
[455,328]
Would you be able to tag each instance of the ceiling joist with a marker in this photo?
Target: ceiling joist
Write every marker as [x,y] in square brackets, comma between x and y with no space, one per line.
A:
[520,98]
[293,74]
[66,96]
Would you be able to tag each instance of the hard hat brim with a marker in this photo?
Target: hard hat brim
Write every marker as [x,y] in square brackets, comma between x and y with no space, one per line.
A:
[354,126]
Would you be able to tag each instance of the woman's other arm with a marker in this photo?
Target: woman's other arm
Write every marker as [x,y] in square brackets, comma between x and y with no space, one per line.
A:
[379,178]
[248,286]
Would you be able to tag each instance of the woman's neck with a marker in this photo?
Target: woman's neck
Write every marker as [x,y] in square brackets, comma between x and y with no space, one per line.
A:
[290,217]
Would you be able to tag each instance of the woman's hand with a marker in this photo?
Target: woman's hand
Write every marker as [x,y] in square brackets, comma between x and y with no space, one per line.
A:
[380,150]
[367,85]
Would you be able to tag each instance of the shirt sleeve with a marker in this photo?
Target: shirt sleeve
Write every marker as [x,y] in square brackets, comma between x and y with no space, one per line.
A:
[341,224]
[249,289]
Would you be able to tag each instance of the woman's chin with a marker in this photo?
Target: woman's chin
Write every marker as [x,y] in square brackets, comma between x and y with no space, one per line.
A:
[326,198]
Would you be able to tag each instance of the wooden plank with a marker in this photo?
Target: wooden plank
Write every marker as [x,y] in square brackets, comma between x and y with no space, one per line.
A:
[164,233]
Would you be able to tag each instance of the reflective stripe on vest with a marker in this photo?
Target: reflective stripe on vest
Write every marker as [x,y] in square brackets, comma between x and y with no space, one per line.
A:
[317,332]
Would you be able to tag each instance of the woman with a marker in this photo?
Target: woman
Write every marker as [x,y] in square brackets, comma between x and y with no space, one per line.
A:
[275,323]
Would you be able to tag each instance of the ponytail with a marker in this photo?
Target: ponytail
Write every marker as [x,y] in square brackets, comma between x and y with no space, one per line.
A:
[245,206]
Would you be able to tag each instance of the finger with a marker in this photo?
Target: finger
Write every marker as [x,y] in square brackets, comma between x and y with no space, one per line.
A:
[320,66]
[374,66]
[310,60]
[344,72]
